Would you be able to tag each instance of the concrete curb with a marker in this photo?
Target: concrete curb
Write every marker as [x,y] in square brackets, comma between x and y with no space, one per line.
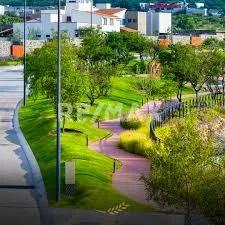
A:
[40,192]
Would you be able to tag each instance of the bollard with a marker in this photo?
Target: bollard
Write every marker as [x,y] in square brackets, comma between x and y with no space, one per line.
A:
[87,141]
[114,166]
[70,178]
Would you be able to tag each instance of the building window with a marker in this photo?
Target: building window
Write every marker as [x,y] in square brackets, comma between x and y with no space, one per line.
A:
[111,22]
[134,20]
[68,19]
[129,20]
[38,35]
[104,21]
[48,36]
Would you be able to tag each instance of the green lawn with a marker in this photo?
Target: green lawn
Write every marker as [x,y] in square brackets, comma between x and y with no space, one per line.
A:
[93,170]
[122,98]
[10,62]
[201,22]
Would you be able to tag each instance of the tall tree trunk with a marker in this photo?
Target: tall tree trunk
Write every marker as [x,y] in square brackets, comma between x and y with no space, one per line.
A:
[223,80]
[179,94]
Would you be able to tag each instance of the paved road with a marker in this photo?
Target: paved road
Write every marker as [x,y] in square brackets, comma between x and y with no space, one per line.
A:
[17,203]
[90,217]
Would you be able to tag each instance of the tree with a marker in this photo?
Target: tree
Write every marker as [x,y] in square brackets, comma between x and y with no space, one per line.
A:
[211,42]
[177,65]
[153,49]
[138,43]
[98,62]
[118,42]
[41,74]
[185,22]
[198,74]
[167,90]
[7,20]
[148,88]
[215,68]
[179,165]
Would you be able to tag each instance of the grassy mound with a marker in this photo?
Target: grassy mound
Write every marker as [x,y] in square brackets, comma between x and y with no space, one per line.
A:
[93,170]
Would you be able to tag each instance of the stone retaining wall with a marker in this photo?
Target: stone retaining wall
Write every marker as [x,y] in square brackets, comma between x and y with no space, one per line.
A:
[5,49]
[181,39]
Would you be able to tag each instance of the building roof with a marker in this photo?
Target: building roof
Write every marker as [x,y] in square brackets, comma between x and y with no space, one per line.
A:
[101,14]
[128,29]
[109,12]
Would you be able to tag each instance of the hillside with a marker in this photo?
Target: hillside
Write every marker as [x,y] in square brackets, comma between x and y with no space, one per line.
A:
[131,4]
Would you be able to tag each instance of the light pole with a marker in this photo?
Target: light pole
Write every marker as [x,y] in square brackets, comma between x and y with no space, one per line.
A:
[91,14]
[24,52]
[58,141]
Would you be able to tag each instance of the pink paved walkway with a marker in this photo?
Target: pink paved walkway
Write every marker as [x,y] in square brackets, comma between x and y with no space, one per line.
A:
[126,179]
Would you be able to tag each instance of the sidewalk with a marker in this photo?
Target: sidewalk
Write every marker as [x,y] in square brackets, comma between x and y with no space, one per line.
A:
[126,179]
[18,205]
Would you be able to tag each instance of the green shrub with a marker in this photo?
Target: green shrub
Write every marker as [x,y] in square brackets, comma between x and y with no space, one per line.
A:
[10,61]
[135,142]
[131,121]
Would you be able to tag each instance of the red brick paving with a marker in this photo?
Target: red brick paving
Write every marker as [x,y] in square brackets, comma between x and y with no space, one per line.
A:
[127,178]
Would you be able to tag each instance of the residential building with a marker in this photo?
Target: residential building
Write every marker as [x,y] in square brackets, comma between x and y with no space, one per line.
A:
[199,5]
[149,23]
[163,7]
[2,10]
[214,12]
[77,14]
[167,7]
[19,10]
[197,11]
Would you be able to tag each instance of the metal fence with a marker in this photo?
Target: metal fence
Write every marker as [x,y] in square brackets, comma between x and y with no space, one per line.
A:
[182,109]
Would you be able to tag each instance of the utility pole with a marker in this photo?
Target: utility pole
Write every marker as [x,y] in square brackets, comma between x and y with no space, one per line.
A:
[58,141]
[24,52]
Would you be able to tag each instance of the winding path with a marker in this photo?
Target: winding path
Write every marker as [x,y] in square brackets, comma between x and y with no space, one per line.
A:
[126,179]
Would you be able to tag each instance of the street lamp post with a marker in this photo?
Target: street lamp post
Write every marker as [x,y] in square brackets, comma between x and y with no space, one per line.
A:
[91,14]
[58,141]
[24,52]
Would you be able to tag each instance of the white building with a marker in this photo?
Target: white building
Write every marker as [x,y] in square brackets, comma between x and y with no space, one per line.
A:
[77,14]
[149,23]
[199,5]
[162,22]
[2,10]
